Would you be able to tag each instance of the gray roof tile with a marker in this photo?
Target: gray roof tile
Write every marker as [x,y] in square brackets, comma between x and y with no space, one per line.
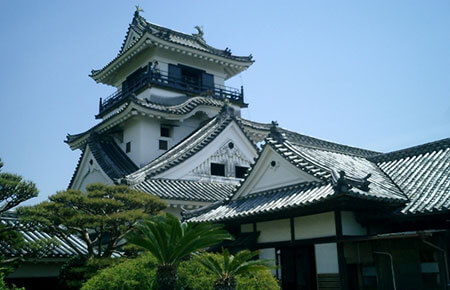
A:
[423,173]
[61,250]
[186,190]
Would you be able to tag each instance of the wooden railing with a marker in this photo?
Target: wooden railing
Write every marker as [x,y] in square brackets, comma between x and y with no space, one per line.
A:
[188,86]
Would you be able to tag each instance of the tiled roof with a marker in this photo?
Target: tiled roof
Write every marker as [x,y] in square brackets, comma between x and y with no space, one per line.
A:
[183,108]
[183,150]
[321,162]
[179,109]
[260,131]
[266,202]
[186,190]
[61,250]
[423,173]
[113,161]
[140,27]
[416,180]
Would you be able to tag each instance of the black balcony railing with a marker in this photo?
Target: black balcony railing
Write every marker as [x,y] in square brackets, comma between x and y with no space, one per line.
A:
[187,85]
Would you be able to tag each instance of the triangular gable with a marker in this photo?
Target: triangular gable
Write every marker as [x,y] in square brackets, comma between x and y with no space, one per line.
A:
[88,171]
[271,170]
[183,161]
[242,153]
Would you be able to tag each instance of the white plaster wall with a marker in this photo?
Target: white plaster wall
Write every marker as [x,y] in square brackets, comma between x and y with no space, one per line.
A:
[144,134]
[315,226]
[89,173]
[269,254]
[246,228]
[131,133]
[94,177]
[274,231]
[326,258]
[265,177]
[176,211]
[158,92]
[350,226]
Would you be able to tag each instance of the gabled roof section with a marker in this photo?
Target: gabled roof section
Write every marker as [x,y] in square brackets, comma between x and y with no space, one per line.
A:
[423,173]
[321,161]
[141,34]
[113,161]
[185,190]
[188,147]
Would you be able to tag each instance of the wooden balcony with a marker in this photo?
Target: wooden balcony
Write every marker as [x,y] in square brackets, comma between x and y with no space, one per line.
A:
[184,85]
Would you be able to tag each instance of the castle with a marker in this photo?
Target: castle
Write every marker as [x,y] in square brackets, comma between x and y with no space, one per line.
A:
[331,216]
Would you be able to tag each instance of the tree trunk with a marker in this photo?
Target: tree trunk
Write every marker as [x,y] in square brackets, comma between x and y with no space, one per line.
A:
[228,283]
[166,277]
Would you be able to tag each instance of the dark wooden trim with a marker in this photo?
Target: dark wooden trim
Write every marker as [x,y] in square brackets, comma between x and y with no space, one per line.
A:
[312,241]
[340,250]
[291,220]
[254,227]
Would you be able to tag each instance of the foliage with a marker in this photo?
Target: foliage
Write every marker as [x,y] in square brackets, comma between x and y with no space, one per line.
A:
[3,285]
[170,241]
[130,274]
[13,191]
[139,273]
[78,270]
[227,267]
[101,216]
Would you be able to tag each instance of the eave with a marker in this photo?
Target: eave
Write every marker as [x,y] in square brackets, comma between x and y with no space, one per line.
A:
[105,75]
[127,110]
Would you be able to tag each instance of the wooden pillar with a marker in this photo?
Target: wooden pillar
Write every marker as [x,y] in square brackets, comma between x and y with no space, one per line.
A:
[340,250]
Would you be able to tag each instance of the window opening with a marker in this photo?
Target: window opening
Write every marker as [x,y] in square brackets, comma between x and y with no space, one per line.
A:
[163,145]
[240,171]
[128,147]
[165,131]
[217,169]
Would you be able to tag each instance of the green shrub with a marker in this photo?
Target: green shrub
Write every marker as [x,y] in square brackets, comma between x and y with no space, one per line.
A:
[139,274]
[3,285]
[192,275]
[78,270]
[129,274]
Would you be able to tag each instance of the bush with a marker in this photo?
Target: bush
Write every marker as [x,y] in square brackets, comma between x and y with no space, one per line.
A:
[78,270]
[3,285]
[139,273]
[129,274]
[192,275]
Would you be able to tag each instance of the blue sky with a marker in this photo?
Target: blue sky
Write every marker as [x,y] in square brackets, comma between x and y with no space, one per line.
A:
[372,74]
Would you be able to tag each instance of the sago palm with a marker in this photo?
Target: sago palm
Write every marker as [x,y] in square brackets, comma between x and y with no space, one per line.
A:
[170,240]
[228,267]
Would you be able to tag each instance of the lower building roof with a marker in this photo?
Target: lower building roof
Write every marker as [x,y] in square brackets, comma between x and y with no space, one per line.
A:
[186,190]
[61,249]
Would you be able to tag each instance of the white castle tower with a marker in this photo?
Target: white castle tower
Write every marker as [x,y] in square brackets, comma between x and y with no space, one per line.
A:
[172,128]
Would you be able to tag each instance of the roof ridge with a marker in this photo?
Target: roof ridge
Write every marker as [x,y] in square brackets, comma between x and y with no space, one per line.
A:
[411,151]
[323,144]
